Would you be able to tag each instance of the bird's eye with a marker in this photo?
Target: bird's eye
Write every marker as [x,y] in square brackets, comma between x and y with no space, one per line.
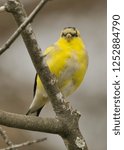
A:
[63,34]
[72,34]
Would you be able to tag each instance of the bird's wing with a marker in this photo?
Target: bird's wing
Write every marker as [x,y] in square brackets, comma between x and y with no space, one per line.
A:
[46,54]
[50,50]
[35,85]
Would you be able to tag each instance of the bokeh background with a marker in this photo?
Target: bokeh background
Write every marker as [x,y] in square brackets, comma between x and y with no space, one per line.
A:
[17,72]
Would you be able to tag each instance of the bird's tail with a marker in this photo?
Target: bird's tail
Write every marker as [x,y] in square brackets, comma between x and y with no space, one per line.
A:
[34,113]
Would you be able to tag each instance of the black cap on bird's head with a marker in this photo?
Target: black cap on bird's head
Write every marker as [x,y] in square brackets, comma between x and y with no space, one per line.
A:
[70,33]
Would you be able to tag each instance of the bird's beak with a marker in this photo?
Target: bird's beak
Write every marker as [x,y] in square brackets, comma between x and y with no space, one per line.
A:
[68,36]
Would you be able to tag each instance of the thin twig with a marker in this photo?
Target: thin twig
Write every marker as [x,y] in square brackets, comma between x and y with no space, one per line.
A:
[29,19]
[24,144]
[2,8]
[6,138]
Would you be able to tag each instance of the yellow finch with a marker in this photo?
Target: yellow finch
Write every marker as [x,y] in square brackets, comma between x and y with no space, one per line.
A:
[67,60]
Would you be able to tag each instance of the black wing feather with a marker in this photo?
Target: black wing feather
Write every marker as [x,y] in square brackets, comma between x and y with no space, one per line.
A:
[35,113]
[35,85]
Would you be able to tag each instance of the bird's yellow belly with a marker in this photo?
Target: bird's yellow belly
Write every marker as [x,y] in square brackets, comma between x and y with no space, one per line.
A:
[69,67]
[70,79]
[69,70]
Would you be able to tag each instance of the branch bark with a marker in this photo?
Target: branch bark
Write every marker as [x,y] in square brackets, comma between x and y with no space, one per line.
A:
[66,120]
[48,125]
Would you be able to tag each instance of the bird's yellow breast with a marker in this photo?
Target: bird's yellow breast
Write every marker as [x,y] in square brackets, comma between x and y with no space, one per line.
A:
[68,61]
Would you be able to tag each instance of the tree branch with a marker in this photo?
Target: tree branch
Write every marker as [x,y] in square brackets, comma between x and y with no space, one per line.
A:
[48,125]
[6,138]
[29,19]
[24,144]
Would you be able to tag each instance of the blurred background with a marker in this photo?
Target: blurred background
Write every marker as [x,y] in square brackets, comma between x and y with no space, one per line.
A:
[17,72]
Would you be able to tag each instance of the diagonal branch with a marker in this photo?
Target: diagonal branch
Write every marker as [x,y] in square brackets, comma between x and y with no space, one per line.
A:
[57,99]
[29,19]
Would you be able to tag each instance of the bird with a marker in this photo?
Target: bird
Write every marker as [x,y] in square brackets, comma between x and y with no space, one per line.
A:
[67,60]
